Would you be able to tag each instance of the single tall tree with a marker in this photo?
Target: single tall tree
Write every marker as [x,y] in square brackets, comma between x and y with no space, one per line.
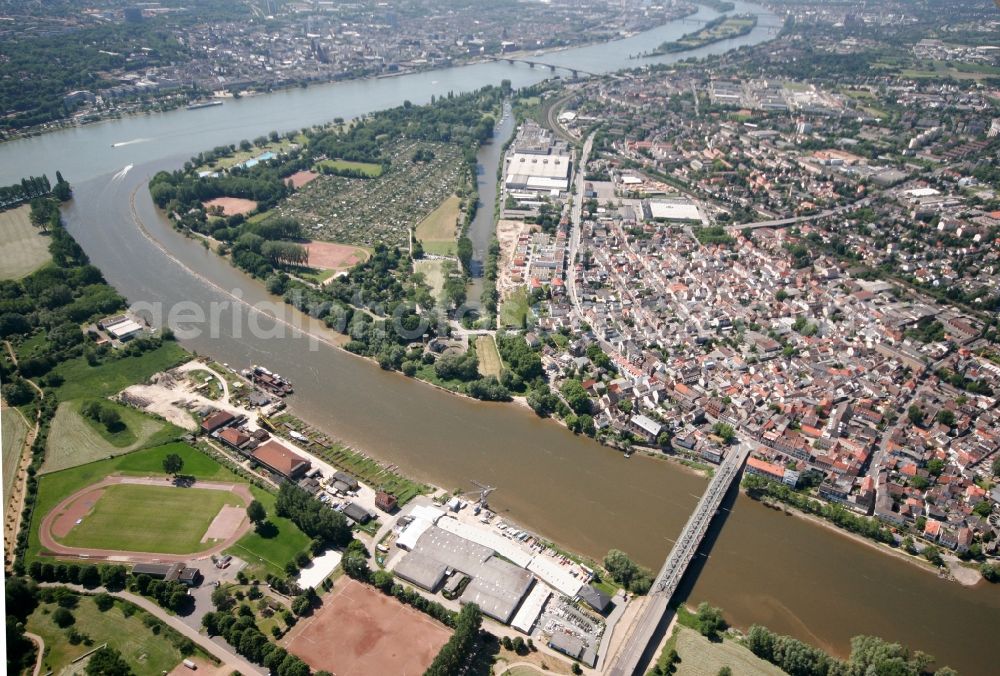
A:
[256,512]
[173,464]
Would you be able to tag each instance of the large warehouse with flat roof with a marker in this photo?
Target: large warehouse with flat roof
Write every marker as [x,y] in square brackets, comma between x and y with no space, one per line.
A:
[538,172]
[497,586]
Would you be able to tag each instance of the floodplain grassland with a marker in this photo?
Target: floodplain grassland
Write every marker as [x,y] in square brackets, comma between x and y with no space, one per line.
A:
[25,248]
[80,379]
[438,232]
[267,549]
[515,308]
[76,440]
[701,657]
[14,433]
[489,358]
[433,271]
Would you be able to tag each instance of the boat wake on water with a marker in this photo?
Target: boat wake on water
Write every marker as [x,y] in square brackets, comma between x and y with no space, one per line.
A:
[121,174]
[129,143]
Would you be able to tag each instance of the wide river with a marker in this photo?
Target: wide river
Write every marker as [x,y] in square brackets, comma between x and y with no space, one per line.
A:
[760,565]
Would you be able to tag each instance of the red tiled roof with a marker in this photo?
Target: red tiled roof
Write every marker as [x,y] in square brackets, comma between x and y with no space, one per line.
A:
[279,458]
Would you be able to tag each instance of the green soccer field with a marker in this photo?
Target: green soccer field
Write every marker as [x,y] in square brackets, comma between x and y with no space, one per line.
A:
[157,519]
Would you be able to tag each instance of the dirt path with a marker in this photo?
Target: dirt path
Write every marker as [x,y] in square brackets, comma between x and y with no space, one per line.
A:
[53,548]
[15,505]
[40,642]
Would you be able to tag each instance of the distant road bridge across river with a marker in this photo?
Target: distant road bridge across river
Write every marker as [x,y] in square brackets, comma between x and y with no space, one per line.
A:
[577,72]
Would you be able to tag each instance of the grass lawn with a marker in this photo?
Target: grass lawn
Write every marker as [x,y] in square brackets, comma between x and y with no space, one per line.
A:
[196,463]
[367,168]
[145,652]
[440,248]
[77,440]
[83,380]
[14,433]
[315,275]
[54,487]
[25,249]
[489,358]
[438,231]
[160,519]
[701,657]
[270,551]
[514,310]
[433,273]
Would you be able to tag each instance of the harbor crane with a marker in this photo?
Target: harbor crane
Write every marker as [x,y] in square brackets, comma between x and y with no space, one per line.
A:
[482,492]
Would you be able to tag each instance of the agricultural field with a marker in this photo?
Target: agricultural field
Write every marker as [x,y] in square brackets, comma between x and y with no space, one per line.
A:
[83,380]
[438,233]
[77,440]
[434,276]
[14,433]
[368,211]
[489,357]
[267,550]
[25,249]
[144,518]
[122,627]
[369,169]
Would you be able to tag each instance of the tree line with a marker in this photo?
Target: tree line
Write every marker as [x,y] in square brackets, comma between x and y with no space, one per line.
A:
[311,516]
[869,655]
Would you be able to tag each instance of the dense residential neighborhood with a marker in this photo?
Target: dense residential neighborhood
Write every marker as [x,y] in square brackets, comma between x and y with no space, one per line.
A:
[811,268]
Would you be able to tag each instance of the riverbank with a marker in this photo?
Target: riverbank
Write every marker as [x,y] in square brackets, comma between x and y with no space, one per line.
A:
[965,580]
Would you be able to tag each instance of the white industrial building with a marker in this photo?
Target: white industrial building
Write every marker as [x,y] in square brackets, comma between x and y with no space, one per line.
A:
[540,173]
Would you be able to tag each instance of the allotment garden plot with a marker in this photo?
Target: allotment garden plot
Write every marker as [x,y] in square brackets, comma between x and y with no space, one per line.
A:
[383,209]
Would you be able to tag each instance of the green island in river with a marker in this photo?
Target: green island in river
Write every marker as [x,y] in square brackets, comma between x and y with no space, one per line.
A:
[716,30]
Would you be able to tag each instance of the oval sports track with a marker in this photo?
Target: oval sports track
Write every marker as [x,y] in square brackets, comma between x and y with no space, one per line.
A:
[129,502]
